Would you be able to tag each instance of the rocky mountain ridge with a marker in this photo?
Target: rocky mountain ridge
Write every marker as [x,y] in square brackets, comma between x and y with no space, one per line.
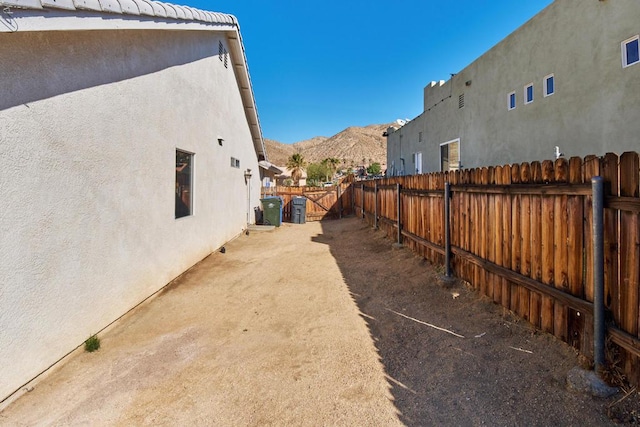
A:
[353,146]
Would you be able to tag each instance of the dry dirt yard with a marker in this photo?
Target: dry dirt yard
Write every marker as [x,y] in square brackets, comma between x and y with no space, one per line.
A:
[310,325]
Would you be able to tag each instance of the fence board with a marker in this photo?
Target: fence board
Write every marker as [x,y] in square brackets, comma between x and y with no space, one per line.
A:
[506,236]
[499,232]
[483,237]
[535,300]
[611,248]
[522,235]
[525,239]
[576,332]
[629,254]
[561,313]
[516,241]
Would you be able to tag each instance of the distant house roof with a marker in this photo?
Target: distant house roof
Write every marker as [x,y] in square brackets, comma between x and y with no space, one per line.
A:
[78,15]
[270,167]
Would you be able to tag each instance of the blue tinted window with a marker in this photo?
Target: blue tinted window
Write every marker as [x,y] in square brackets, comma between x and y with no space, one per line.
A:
[550,89]
[633,54]
[529,93]
[512,101]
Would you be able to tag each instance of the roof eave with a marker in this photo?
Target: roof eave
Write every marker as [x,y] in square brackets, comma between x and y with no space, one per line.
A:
[83,15]
[245,87]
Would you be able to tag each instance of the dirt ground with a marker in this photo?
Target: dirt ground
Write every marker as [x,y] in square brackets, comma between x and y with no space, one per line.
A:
[317,324]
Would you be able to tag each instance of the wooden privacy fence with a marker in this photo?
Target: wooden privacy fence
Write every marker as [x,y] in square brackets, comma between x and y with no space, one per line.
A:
[522,235]
[322,202]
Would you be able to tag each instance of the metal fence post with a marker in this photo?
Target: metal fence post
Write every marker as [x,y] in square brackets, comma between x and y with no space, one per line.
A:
[597,186]
[375,208]
[399,212]
[447,230]
[362,207]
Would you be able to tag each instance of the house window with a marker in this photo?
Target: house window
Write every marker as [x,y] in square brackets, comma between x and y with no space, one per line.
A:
[450,155]
[235,163]
[528,94]
[630,52]
[549,85]
[184,183]
[511,101]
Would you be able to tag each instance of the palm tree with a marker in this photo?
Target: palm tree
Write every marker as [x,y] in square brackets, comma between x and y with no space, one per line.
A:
[331,165]
[297,164]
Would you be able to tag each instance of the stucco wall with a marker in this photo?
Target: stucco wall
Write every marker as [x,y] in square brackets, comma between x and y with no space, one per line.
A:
[401,144]
[594,108]
[89,125]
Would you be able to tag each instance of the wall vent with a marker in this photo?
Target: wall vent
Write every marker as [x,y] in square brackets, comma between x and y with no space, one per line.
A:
[461,101]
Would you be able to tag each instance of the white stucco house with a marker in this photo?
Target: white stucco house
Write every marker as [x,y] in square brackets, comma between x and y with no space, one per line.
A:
[568,78]
[130,145]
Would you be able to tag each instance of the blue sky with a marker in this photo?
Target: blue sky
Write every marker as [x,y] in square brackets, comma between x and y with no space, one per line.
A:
[319,67]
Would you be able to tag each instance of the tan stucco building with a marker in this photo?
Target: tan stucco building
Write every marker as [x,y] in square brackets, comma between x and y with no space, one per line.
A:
[568,78]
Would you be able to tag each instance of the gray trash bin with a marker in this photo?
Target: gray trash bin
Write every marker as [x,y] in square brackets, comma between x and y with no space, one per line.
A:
[299,210]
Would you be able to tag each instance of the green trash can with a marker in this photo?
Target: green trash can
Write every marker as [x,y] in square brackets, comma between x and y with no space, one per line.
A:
[272,211]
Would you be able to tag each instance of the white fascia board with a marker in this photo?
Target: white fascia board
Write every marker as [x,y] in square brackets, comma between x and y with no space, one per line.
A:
[33,20]
[245,88]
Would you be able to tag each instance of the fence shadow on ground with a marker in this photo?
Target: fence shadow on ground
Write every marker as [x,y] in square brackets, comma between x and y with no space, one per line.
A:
[482,366]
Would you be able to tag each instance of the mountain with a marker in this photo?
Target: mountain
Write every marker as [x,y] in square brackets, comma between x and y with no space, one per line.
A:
[277,152]
[353,146]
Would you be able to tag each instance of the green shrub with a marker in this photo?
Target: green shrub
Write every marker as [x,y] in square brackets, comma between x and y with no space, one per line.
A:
[92,344]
